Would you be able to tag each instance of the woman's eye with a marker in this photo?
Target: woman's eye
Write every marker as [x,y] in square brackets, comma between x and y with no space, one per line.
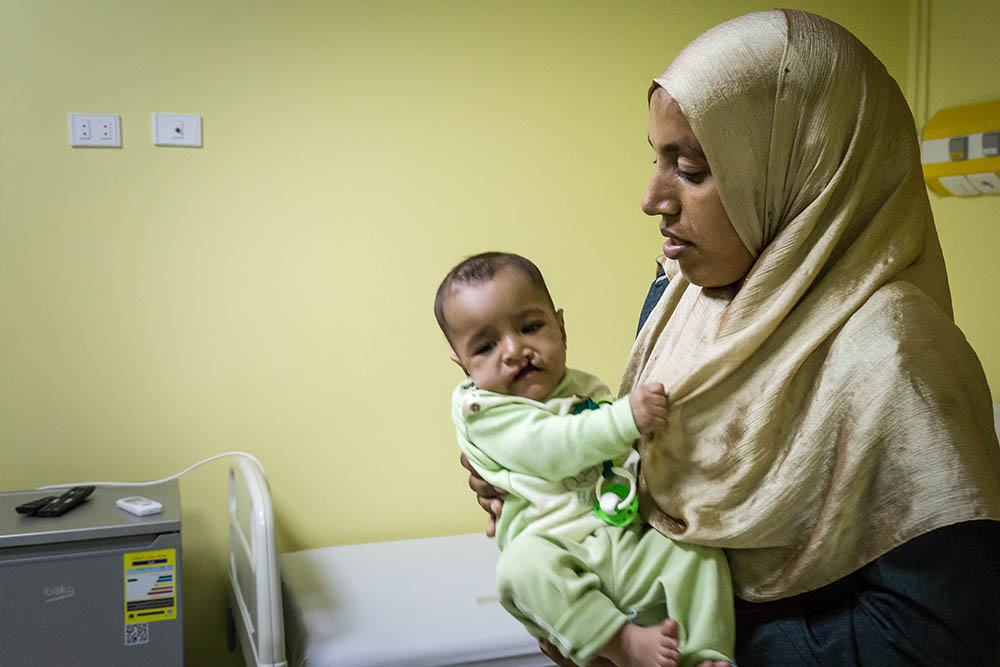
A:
[692,176]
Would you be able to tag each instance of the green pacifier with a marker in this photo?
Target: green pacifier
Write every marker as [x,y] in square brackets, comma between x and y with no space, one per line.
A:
[616,504]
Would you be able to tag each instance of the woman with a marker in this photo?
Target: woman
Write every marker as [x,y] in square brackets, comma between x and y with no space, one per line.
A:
[829,424]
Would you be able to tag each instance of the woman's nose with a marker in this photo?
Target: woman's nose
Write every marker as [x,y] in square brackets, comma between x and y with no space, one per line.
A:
[660,198]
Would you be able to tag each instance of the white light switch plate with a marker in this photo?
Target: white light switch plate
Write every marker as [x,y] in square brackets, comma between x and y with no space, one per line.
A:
[175,129]
[95,129]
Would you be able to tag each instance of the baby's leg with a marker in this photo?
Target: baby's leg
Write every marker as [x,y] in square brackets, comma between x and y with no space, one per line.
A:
[689,584]
[637,646]
[653,646]
[551,586]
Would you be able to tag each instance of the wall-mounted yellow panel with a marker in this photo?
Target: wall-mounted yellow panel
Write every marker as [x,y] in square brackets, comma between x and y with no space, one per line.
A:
[960,151]
[968,168]
[966,119]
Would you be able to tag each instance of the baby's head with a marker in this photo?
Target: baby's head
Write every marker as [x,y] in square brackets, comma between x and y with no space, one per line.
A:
[497,314]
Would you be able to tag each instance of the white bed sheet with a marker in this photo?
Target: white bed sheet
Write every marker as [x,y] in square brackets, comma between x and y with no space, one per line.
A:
[425,602]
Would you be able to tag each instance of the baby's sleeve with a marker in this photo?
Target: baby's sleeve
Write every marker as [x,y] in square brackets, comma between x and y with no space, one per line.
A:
[528,439]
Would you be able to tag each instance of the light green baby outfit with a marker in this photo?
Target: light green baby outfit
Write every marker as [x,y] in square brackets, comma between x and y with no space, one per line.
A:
[564,573]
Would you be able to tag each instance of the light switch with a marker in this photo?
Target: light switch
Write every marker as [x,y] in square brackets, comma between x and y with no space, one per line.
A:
[991,144]
[174,129]
[958,148]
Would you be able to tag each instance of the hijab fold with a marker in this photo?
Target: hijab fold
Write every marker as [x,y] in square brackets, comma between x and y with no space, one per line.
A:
[827,409]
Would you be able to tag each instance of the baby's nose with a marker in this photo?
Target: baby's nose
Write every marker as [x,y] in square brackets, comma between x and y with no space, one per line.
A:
[514,351]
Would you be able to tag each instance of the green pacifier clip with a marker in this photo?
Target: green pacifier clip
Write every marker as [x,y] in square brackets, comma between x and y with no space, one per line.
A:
[616,504]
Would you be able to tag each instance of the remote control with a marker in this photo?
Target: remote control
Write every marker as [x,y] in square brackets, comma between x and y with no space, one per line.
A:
[35,505]
[67,501]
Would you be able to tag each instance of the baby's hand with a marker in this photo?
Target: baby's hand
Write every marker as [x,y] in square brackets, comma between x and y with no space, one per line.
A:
[649,407]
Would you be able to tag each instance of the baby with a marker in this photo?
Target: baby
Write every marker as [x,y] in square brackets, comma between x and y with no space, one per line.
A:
[544,432]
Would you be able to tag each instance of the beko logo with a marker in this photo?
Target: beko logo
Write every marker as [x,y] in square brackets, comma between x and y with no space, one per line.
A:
[59,592]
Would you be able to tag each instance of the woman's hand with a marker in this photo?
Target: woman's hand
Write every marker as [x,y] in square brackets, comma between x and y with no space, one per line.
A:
[490,497]
[562,661]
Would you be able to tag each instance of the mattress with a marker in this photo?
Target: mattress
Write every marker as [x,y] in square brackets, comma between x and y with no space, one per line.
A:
[424,602]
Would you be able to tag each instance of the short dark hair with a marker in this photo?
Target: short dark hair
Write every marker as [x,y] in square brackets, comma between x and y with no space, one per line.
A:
[481,268]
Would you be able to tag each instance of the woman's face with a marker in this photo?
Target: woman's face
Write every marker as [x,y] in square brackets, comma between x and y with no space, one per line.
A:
[683,194]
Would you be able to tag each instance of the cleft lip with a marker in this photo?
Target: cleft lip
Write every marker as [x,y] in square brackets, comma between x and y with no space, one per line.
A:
[524,370]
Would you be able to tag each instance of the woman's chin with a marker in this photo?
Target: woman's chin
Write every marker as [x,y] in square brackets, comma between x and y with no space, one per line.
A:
[710,279]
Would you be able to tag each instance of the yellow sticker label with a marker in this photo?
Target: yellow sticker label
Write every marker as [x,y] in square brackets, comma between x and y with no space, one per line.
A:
[150,586]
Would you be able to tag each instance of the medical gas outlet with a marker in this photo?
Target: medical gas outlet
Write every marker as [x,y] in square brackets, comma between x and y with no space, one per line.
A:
[960,150]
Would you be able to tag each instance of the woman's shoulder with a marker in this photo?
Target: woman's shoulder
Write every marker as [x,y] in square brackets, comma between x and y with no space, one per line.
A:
[899,309]
[901,326]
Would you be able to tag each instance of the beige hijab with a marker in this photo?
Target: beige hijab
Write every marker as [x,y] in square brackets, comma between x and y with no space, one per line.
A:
[828,409]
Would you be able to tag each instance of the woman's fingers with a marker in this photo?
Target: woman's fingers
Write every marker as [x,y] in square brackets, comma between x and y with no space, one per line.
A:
[476,483]
[481,486]
[492,506]
[488,496]
[553,653]
[558,658]
[483,489]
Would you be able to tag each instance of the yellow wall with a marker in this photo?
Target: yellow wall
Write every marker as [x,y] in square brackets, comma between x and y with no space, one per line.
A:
[271,291]
[962,69]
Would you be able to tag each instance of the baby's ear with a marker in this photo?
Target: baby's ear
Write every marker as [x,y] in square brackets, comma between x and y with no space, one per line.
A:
[458,361]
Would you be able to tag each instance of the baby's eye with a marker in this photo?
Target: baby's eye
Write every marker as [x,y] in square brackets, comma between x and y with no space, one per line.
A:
[484,348]
[531,328]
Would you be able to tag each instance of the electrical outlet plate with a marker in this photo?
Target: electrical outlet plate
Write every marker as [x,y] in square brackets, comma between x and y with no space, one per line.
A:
[988,183]
[94,130]
[175,129]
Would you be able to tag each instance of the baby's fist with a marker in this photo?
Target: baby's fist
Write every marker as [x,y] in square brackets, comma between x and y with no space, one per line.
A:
[649,407]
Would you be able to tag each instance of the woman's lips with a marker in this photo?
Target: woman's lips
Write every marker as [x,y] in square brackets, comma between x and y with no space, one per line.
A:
[674,247]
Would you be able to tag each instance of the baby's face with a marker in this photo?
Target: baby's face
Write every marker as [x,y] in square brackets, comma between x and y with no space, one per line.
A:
[506,335]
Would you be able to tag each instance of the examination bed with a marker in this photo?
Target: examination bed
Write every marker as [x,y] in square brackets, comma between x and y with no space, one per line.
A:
[424,602]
